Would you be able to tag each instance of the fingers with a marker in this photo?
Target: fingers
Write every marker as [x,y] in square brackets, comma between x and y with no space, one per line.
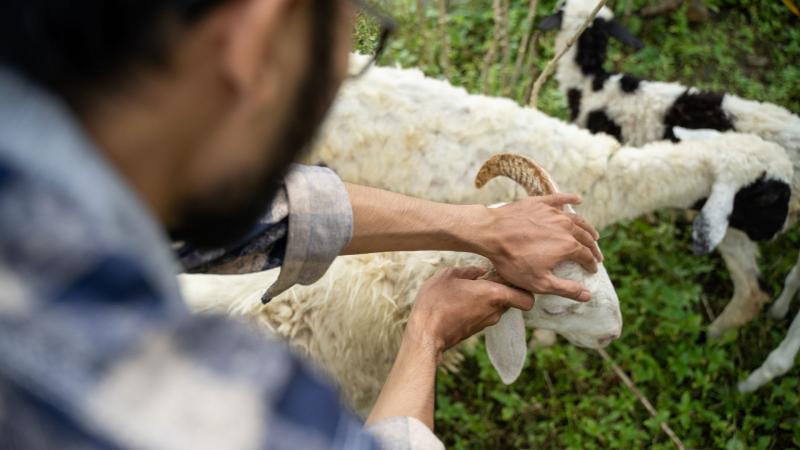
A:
[569,289]
[585,258]
[588,243]
[578,220]
[583,231]
[559,200]
[467,273]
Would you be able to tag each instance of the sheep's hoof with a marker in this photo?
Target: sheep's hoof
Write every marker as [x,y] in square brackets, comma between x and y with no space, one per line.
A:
[745,387]
[543,339]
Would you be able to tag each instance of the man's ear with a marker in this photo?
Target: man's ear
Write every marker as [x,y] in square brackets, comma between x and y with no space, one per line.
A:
[252,28]
[551,22]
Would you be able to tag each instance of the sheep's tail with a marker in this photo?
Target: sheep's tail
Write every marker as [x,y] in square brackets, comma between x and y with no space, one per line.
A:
[531,176]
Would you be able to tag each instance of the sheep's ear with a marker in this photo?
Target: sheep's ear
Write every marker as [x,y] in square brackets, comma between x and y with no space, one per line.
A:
[551,22]
[701,134]
[711,224]
[616,30]
[505,343]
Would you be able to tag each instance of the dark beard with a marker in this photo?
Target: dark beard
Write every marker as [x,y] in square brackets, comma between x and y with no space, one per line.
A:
[228,215]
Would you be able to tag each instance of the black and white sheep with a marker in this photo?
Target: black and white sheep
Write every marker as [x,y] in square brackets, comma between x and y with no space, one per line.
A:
[637,112]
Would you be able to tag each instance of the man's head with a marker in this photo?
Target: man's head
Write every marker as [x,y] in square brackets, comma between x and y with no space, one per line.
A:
[201,104]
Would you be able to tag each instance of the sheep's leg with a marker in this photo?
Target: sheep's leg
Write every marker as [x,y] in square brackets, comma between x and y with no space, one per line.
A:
[778,362]
[790,288]
[741,257]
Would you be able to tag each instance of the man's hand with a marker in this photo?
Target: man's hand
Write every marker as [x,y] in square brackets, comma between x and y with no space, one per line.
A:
[526,240]
[454,305]
[451,306]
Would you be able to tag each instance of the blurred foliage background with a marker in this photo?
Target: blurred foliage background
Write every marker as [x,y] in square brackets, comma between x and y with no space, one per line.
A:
[568,397]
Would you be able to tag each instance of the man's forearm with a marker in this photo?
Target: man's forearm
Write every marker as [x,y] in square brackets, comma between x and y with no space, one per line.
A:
[385,221]
[410,389]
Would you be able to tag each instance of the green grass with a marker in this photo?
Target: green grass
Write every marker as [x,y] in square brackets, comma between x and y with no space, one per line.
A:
[567,397]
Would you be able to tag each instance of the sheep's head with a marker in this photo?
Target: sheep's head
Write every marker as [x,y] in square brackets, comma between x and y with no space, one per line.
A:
[591,47]
[758,206]
[593,324]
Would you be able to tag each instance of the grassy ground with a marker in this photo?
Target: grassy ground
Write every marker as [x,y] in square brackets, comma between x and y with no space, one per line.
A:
[568,398]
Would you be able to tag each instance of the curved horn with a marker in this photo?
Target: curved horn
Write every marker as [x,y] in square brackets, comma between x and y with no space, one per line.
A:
[532,177]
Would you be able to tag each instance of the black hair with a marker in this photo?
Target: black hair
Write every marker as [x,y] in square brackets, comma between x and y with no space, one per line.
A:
[73,47]
[81,48]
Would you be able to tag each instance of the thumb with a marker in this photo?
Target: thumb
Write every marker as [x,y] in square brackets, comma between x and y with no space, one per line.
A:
[569,289]
[517,298]
[509,297]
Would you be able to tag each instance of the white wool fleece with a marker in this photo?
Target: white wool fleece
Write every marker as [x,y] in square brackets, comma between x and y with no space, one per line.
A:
[398,130]
[351,321]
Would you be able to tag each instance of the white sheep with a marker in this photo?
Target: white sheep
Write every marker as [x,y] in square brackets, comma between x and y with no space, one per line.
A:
[399,130]
[351,321]
[637,112]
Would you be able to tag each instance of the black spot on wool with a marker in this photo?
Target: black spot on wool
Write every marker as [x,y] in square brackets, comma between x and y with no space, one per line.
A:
[592,48]
[760,209]
[574,99]
[696,110]
[599,81]
[599,122]
[629,83]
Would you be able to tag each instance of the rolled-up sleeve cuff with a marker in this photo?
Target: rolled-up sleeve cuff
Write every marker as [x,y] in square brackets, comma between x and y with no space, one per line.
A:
[320,226]
[404,433]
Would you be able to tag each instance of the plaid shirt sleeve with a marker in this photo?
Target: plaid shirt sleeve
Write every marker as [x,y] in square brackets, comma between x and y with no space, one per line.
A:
[88,371]
[304,230]
[97,350]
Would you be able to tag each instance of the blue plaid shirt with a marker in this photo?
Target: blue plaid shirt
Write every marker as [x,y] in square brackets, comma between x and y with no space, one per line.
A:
[97,350]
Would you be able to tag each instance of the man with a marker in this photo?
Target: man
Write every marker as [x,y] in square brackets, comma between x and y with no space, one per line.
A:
[121,119]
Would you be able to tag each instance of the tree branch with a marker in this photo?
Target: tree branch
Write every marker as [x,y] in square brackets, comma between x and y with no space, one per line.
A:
[642,399]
